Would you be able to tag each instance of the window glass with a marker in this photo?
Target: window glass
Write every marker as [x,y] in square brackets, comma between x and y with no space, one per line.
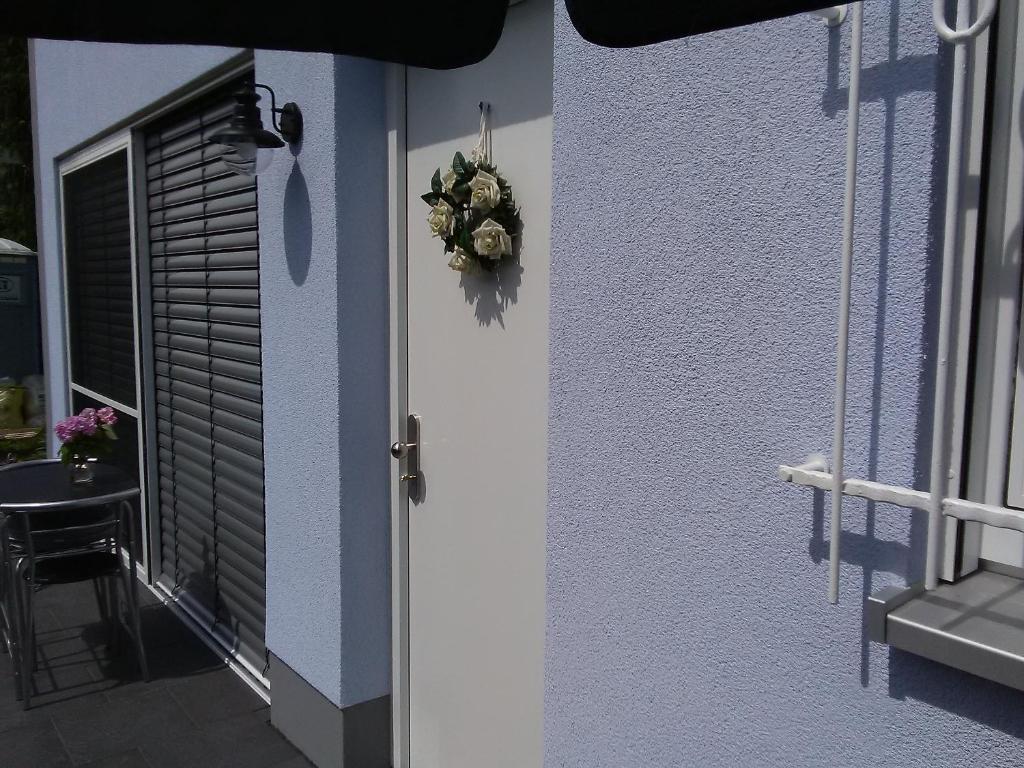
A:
[99,278]
[124,455]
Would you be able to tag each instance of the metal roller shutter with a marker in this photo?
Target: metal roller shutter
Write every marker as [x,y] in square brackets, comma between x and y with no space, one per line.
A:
[204,263]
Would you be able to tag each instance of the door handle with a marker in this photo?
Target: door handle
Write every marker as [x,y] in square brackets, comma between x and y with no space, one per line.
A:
[401,450]
[409,451]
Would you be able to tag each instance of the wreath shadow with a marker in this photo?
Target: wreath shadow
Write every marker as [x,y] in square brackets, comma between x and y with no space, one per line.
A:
[492,293]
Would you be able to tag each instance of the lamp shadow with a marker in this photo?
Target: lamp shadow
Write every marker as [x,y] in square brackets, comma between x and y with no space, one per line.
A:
[298,226]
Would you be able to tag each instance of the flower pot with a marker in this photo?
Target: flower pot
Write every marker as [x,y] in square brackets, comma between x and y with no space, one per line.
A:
[80,470]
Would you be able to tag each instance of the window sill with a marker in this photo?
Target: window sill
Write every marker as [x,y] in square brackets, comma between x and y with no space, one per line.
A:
[975,624]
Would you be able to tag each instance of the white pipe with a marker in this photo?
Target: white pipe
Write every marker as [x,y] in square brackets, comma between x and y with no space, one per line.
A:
[845,280]
[939,475]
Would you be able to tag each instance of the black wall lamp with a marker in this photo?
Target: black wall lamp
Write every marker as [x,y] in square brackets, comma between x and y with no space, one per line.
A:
[249,145]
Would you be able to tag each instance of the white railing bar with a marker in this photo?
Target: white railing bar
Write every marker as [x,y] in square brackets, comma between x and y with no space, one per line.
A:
[961,509]
[833,15]
[939,474]
[865,489]
[845,280]
[989,514]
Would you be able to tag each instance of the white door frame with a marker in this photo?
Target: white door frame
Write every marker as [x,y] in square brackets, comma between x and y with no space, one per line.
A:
[398,377]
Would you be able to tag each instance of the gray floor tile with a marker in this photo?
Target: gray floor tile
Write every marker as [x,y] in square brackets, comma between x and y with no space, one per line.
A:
[34,745]
[131,759]
[243,741]
[214,695]
[92,709]
[294,762]
[114,727]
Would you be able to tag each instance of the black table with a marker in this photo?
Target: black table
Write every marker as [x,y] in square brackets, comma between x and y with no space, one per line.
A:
[46,485]
[44,489]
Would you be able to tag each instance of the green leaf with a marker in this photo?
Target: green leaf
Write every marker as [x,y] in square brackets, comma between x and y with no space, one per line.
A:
[461,190]
[430,198]
[435,182]
[460,166]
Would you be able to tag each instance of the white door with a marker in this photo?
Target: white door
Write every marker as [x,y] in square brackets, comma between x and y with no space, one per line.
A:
[478,379]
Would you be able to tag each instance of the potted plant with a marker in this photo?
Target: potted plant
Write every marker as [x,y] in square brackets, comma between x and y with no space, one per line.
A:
[84,437]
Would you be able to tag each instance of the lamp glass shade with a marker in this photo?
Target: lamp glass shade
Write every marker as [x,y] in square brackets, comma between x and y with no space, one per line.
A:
[247,158]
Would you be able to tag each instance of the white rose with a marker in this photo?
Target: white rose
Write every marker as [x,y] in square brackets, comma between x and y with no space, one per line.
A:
[462,262]
[491,240]
[440,219]
[449,180]
[486,192]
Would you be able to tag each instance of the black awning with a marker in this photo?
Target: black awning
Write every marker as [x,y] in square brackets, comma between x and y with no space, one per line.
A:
[618,24]
[440,34]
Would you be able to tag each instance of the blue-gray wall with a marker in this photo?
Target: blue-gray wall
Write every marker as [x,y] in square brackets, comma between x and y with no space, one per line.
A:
[80,90]
[323,250]
[323,276]
[695,241]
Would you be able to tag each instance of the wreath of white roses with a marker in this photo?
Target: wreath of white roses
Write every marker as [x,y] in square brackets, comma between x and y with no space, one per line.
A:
[473,211]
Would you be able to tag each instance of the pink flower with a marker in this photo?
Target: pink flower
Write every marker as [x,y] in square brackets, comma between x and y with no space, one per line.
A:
[87,420]
[63,430]
[107,416]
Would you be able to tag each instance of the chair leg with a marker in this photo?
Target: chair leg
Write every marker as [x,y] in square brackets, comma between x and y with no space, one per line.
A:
[114,603]
[13,628]
[30,627]
[132,596]
[98,590]
[27,644]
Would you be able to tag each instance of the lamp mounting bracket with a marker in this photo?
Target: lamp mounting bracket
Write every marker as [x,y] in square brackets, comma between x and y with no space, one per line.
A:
[290,125]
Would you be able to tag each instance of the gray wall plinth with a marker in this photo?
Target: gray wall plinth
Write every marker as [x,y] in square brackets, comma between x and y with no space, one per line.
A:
[358,736]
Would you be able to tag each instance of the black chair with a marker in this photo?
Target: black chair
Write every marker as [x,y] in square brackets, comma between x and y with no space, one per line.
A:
[43,548]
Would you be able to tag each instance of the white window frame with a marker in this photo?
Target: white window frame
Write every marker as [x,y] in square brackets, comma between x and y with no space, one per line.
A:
[118,142]
[994,474]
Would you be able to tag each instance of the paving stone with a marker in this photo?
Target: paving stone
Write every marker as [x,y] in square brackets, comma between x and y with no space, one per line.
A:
[92,709]
[114,727]
[214,695]
[133,758]
[34,745]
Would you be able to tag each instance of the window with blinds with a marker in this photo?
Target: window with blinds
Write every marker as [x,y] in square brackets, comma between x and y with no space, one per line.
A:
[204,266]
[97,250]
[101,304]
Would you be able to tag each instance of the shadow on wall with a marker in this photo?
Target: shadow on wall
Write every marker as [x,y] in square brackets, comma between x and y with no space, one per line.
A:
[491,293]
[990,704]
[886,82]
[298,226]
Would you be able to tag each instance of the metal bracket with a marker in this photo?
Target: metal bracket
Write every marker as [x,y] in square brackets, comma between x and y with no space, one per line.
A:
[831,16]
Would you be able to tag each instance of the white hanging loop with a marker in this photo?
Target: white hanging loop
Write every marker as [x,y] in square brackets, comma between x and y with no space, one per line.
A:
[950,35]
[480,153]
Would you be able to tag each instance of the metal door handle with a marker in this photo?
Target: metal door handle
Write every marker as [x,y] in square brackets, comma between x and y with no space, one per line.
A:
[401,450]
[409,451]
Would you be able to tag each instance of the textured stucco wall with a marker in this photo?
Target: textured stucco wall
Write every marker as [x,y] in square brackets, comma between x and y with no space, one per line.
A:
[323,272]
[78,91]
[695,238]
